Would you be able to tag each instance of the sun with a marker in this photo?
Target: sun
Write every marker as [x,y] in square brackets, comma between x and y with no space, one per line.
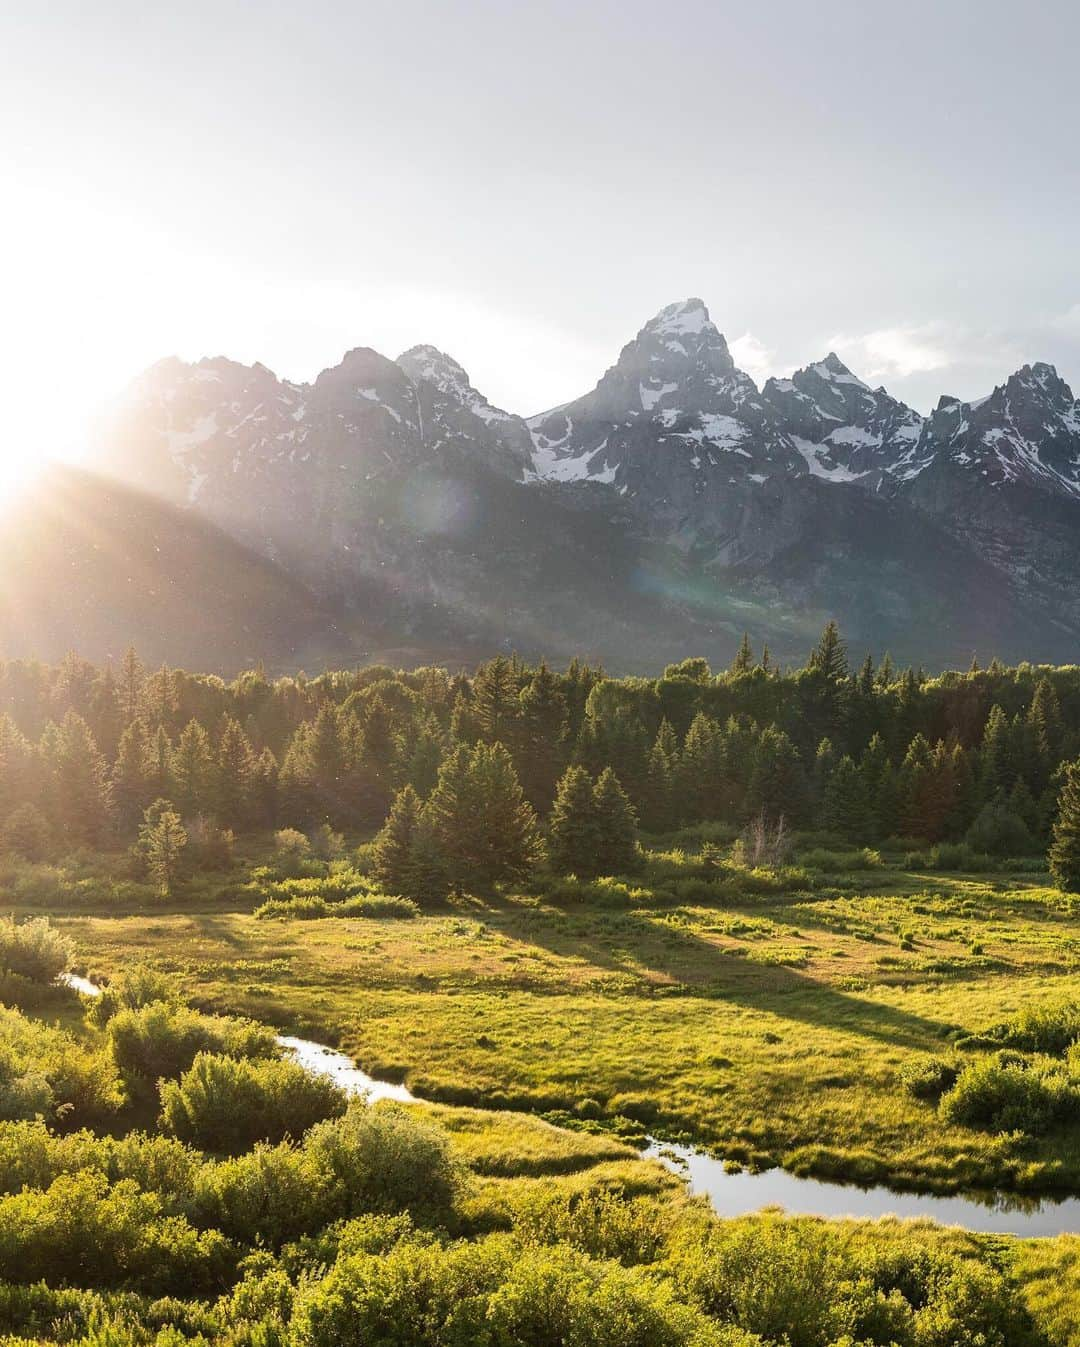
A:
[18,470]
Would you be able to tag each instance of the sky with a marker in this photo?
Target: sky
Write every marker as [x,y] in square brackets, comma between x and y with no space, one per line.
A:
[524,185]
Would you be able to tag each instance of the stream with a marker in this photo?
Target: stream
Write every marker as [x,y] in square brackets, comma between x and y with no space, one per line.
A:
[744,1192]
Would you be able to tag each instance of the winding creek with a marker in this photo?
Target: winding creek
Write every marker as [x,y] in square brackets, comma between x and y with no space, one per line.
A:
[739,1194]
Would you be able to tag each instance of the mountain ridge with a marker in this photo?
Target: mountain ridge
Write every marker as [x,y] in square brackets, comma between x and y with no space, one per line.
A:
[404,469]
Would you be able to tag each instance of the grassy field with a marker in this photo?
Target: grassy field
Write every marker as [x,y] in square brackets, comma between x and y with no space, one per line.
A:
[771,1028]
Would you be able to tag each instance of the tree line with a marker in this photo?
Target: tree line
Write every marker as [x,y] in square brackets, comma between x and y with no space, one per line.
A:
[864,753]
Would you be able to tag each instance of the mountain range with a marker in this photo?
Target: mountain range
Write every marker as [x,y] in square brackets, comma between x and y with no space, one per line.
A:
[388,510]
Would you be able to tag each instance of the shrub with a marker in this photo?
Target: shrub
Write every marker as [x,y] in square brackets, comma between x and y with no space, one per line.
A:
[497,1291]
[34,949]
[131,989]
[163,1039]
[383,1159]
[210,845]
[82,1230]
[833,862]
[997,831]
[292,852]
[1051,1028]
[24,1089]
[928,1077]
[1003,1093]
[227,1105]
[270,1194]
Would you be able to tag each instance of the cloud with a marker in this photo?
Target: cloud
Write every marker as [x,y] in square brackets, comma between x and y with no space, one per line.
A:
[896,352]
[753,356]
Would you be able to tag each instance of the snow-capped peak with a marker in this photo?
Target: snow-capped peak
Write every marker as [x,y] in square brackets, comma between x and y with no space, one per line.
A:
[688,317]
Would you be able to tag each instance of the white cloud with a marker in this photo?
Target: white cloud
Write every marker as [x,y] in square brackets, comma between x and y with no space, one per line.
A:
[895,352]
[753,356]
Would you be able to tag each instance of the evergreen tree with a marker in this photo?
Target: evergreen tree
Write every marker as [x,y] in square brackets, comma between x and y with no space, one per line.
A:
[82,802]
[495,701]
[744,659]
[830,655]
[996,774]
[464,726]
[777,782]
[542,735]
[394,847]
[425,753]
[844,804]
[264,790]
[235,764]
[132,776]
[132,678]
[480,818]
[616,826]
[162,840]
[193,771]
[659,806]
[572,835]
[1064,855]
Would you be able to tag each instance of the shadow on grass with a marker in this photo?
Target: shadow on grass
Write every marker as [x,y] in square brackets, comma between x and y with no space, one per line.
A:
[682,963]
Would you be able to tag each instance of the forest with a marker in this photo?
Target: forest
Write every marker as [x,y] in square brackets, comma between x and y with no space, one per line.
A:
[817,918]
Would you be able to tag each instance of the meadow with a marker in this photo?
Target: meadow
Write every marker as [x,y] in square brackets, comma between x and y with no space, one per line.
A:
[774,1023]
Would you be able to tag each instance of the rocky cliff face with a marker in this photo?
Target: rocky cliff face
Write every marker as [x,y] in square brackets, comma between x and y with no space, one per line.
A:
[675,502]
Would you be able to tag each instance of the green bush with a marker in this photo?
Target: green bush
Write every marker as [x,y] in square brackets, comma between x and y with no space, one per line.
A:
[81,1230]
[928,1077]
[1005,1093]
[131,989]
[226,1105]
[834,862]
[1051,1028]
[164,1038]
[34,949]
[997,831]
[494,1291]
[269,1195]
[383,1159]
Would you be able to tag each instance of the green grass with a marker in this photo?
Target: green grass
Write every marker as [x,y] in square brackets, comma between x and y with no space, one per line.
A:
[770,1027]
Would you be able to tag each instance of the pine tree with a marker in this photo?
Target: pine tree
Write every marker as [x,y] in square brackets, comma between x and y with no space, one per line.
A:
[777,786]
[264,790]
[132,776]
[830,654]
[394,846]
[996,774]
[193,771]
[327,765]
[744,659]
[572,825]
[659,805]
[495,701]
[132,678]
[844,804]
[235,763]
[162,840]
[82,801]
[464,727]
[1064,857]
[616,826]
[480,818]
[542,737]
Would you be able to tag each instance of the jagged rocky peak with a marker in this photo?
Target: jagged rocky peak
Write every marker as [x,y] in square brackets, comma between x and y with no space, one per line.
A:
[1026,431]
[670,424]
[844,429]
[456,410]
[438,368]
